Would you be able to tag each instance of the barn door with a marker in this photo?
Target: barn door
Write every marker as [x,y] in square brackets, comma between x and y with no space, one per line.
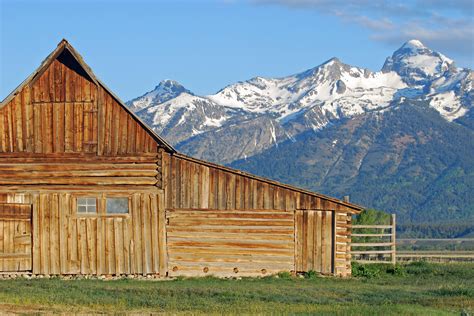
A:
[15,237]
[314,241]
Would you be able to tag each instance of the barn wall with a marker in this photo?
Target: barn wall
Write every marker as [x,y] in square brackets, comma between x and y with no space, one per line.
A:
[230,243]
[79,171]
[15,237]
[63,135]
[321,226]
[65,242]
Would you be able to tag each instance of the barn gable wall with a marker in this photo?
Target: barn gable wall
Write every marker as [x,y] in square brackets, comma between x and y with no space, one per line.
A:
[63,111]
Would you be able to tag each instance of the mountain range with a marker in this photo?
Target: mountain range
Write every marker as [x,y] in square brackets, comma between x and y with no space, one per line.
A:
[400,139]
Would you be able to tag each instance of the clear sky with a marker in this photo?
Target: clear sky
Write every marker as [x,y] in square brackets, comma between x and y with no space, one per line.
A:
[206,45]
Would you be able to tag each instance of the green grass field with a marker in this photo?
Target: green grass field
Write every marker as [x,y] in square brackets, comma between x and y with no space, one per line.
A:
[414,289]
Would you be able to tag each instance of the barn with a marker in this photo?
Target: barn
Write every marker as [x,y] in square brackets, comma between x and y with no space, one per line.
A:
[87,188]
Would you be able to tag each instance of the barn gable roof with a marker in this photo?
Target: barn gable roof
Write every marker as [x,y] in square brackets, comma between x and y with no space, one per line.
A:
[64,46]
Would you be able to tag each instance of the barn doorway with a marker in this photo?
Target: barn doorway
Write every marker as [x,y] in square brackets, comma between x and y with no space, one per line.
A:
[315,241]
[15,237]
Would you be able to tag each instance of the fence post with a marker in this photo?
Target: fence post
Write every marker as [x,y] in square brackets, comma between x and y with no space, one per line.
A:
[393,223]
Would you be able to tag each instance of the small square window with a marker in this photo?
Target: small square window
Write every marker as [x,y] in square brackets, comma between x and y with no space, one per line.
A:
[117,205]
[87,205]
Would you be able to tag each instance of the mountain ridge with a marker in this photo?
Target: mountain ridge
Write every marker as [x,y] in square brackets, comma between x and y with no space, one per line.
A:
[241,123]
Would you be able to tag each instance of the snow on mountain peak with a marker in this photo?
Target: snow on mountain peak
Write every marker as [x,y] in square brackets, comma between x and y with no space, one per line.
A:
[313,98]
[413,44]
[417,63]
[164,91]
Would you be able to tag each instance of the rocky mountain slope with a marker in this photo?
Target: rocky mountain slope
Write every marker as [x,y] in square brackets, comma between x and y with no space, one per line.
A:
[327,127]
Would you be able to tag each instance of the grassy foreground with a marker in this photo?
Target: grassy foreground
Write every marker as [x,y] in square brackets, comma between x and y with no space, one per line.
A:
[414,289]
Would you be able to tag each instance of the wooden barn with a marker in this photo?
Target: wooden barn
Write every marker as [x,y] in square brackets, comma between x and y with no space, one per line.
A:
[87,188]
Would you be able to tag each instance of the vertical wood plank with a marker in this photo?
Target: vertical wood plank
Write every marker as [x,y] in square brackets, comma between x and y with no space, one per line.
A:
[311,241]
[36,236]
[155,238]
[163,258]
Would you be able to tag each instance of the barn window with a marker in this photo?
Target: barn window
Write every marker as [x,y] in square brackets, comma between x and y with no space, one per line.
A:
[117,205]
[87,205]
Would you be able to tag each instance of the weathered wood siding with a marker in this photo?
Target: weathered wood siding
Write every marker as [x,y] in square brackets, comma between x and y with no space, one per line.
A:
[15,237]
[230,243]
[314,241]
[342,256]
[63,136]
[65,242]
[190,183]
[79,171]
[64,111]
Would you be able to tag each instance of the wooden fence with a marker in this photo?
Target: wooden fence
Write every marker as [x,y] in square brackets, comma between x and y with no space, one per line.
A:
[435,249]
[374,243]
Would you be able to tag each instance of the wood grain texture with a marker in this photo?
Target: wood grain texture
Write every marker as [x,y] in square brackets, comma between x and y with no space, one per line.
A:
[47,117]
[15,237]
[204,241]
[314,241]
[190,184]
[58,240]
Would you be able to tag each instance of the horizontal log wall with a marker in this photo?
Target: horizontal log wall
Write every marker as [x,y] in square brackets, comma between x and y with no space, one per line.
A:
[79,172]
[67,243]
[230,243]
[190,184]
[342,258]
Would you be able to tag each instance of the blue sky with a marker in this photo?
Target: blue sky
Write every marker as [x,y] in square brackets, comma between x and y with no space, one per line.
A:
[205,45]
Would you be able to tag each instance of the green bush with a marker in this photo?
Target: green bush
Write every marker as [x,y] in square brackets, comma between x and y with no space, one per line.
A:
[365,271]
[311,274]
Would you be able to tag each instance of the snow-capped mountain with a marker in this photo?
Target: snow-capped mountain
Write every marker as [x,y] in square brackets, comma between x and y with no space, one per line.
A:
[398,139]
[330,91]
[166,90]
[417,64]
[309,100]
[184,116]
[434,77]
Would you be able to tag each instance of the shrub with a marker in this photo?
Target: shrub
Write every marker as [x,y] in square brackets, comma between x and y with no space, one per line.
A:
[311,274]
[365,271]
